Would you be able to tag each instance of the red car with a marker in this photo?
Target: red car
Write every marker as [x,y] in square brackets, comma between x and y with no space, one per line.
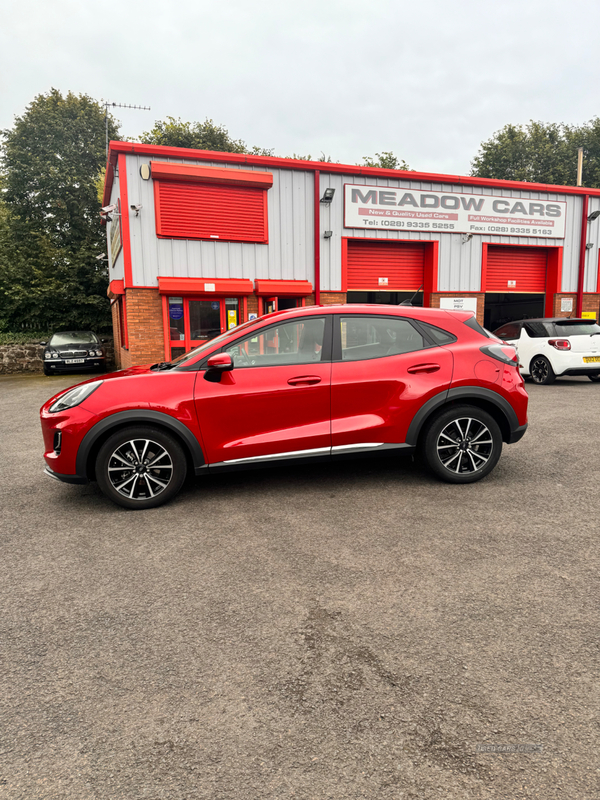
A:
[309,383]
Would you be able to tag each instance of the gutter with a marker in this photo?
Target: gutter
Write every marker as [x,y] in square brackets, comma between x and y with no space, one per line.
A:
[582,252]
[317,180]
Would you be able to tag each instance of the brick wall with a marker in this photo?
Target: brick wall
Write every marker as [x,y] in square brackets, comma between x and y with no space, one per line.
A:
[435,301]
[144,328]
[591,302]
[330,298]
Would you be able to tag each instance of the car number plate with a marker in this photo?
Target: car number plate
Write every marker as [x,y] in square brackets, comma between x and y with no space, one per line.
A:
[75,361]
[590,359]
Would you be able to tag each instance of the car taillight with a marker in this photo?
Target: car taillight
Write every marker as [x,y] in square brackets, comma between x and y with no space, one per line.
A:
[501,352]
[560,344]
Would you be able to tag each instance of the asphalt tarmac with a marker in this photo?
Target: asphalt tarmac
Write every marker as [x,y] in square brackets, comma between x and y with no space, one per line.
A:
[350,631]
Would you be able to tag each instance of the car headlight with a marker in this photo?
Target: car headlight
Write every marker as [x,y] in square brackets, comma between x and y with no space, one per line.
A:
[74,396]
[98,352]
[47,355]
[54,355]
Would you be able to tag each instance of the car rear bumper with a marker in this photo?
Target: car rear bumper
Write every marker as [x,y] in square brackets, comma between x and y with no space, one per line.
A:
[64,478]
[517,434]
[588,369]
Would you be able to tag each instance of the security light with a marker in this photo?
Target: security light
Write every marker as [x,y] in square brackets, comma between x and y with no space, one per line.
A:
[102,257]
[467,237]
[589,245]
[594,215]
[327,234]
[327,195]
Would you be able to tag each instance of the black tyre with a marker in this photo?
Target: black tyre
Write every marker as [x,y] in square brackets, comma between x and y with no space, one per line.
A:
[595,377]
[47,371]
[462,445]
[140,467]
[541,371]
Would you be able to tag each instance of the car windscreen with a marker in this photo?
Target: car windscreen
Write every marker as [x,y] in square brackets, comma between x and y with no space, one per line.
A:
[73,337]
[183,359]
[577,328]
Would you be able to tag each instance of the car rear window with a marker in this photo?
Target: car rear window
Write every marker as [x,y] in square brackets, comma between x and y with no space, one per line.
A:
[577,328]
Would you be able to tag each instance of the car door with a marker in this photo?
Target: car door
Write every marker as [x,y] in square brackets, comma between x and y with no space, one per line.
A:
[383,371]
[275,402]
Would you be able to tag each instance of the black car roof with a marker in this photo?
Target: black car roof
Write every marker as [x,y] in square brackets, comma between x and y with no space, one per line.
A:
[547,319]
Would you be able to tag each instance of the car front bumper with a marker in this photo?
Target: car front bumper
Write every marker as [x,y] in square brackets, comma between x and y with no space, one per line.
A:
[60,365]
[64,478]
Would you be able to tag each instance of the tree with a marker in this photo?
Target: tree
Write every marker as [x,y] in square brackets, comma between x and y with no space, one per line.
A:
[385,160]
[51,160]
[199,135]
[541,153]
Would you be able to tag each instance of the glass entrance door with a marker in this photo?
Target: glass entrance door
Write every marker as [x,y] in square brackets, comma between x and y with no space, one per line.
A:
[190,322]
[204,320]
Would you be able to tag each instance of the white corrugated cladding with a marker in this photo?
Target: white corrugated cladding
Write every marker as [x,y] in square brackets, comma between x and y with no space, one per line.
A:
[288,256]
[116,270]
[459,268]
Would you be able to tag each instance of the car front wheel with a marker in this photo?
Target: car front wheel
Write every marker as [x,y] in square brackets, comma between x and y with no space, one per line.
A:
[140,467]
[462,445]
[541,371]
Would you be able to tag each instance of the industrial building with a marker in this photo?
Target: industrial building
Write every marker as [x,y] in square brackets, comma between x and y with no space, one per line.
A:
[199,242]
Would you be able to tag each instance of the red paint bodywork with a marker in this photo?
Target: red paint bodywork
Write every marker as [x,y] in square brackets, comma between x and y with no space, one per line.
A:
[268,410]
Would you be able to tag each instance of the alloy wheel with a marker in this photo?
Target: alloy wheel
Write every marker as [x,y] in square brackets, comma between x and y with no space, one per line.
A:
[139,469]
[465,445]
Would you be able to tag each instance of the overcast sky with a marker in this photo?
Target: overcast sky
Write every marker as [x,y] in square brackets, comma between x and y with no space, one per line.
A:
[428,80]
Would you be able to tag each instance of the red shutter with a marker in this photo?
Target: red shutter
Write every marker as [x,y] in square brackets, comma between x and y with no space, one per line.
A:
[210,211]
[526,266]
[400,262]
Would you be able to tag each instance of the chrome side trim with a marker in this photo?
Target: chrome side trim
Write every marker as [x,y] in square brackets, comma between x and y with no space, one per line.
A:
[343,448]
[318,451]
[276,456]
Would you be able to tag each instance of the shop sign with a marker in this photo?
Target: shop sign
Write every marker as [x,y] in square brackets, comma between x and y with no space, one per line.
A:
[459,303]
[382,207]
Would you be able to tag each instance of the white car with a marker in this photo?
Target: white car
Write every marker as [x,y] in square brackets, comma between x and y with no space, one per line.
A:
[552,347]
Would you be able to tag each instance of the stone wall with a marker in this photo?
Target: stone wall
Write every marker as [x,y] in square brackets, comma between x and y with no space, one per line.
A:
[16,358]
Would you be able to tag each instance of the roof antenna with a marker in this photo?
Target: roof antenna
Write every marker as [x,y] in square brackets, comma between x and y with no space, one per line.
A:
[410,301]
[118,105]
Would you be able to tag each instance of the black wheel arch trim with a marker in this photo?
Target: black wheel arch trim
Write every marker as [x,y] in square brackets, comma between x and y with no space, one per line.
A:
[139,416]
[460,393]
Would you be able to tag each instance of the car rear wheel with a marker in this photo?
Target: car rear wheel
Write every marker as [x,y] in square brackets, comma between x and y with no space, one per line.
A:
[462,445]
[594,377]
[140,467]
[541,371]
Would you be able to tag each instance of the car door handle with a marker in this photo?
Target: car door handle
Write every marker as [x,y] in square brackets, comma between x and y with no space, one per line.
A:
[423,368]
[304,380]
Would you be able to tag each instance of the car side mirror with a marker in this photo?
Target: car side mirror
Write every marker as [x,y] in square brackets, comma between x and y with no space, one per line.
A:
[216,365]
[43,344]
[104,341]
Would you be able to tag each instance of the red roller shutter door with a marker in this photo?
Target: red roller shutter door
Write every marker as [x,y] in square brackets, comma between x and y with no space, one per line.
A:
[526,266]
[210,211]
[400,262]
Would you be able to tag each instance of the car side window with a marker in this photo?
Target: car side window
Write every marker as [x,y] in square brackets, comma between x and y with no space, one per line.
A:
[375,337]
[537,330]
[297,342]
